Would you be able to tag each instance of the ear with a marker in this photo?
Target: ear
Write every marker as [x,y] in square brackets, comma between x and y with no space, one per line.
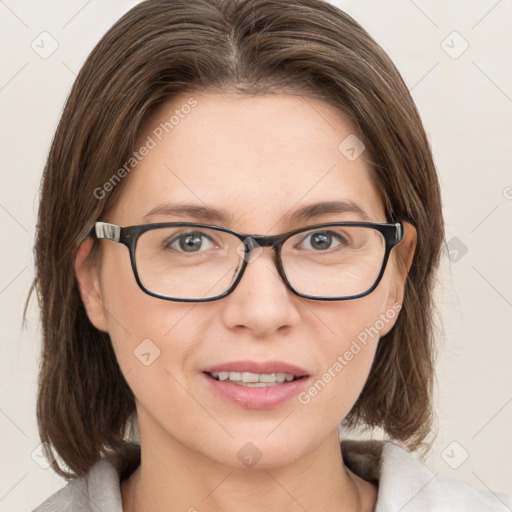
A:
[405,252]
[403,258]
[87,275]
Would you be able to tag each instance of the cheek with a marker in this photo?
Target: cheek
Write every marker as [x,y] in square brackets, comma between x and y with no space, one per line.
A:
[348,350]
[154,342]
[144,330]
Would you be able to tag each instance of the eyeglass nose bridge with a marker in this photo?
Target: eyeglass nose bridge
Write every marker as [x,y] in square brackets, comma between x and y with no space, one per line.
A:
[253,246]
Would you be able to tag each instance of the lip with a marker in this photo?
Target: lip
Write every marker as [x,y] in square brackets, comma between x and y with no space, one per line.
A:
[257,367]
[246,397]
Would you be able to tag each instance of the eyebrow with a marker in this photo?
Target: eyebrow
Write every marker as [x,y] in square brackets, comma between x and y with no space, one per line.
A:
[197,212]
[220,215]
[317,209]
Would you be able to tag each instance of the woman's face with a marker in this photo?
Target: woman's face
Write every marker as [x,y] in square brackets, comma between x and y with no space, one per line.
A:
[258,159]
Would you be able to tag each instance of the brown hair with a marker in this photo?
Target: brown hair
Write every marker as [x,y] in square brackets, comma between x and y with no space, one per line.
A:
[159,49]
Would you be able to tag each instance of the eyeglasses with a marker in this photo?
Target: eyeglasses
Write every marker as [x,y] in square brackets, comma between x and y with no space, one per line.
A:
[189,262]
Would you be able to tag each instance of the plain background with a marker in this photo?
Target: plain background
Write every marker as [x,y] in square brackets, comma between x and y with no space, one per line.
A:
[455,57]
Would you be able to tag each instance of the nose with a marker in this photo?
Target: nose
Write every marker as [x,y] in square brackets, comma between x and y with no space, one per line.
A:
[261,304]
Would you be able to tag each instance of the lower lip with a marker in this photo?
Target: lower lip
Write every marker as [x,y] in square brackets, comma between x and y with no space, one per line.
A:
[257,397]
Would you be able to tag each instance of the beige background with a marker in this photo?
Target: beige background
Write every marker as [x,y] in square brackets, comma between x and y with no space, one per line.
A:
[465,98]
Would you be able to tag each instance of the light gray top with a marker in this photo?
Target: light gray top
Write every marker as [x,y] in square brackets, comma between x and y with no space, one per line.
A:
[405,485]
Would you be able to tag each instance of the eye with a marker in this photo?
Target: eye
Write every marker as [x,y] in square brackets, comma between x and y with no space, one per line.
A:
[193,241]
[323,240]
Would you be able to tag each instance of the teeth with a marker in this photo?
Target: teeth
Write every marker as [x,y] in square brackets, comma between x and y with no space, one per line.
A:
[251,377]
[254,379]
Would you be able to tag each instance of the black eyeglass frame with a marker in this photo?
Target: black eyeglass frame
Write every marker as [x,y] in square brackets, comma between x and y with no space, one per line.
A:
[392,233]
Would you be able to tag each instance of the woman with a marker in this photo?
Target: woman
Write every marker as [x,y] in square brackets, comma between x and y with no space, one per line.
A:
[245,218]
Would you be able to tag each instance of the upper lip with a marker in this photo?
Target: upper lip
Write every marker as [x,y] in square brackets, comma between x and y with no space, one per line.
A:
[257,367]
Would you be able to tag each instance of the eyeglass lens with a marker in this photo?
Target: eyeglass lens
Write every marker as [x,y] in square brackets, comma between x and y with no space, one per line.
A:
[198,263]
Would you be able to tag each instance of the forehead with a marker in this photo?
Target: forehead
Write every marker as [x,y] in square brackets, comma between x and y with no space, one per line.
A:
[258,158]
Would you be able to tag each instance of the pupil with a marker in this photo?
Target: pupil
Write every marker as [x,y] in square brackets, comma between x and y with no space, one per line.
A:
[191,242]
[321,241]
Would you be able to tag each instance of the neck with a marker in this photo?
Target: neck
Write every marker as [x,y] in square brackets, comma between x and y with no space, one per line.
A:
[172,477]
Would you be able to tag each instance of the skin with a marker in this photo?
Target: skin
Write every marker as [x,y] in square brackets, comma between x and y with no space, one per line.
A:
[259,158]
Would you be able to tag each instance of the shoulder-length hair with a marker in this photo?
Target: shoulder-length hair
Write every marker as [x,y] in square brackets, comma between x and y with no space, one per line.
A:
[162,48]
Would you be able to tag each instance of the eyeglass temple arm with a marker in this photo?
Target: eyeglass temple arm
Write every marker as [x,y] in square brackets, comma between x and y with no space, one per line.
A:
[106,231]
[399,231]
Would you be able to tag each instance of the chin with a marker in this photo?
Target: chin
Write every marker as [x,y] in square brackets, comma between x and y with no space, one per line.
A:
[259,452]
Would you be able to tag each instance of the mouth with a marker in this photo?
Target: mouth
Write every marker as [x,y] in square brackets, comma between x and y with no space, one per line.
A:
[254,385]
